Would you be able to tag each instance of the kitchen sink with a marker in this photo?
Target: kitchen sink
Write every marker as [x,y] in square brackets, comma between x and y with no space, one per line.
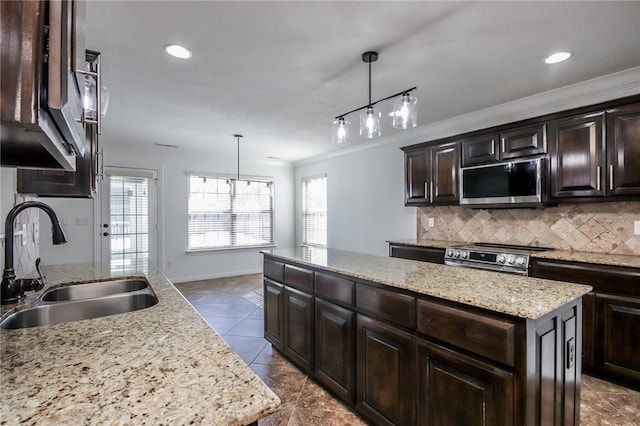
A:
[93,290]
[57,311]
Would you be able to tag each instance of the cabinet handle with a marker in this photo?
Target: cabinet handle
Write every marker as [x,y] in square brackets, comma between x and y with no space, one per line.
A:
[504,145]
[598,177]
[100,164]
[426,190]
[431,192]
[611,177]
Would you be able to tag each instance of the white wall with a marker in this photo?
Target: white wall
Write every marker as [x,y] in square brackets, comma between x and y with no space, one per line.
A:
[365,199]
[172,165]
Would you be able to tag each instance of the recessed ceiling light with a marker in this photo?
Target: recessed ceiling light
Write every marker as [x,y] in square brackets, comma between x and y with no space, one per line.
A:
[178,51]
[558,57]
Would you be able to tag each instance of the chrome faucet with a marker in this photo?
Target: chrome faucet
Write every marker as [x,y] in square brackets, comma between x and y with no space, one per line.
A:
[12,289]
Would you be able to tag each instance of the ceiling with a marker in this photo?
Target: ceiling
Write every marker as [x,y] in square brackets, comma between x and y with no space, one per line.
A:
[279,72]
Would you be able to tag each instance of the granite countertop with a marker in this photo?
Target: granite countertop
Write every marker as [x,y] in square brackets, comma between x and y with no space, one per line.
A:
[568,255]
[159,365]
[514,295]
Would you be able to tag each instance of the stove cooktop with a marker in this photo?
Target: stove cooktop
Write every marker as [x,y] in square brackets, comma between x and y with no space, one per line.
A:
[510,258]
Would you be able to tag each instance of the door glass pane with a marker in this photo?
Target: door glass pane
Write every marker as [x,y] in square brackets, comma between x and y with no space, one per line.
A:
[129,223]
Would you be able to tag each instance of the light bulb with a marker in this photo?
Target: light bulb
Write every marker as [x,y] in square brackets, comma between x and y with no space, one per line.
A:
[370,123]
[340,131]
[404,112]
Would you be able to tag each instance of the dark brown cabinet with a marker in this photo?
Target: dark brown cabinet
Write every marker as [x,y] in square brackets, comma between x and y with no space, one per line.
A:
[57,183]
[431,174]
[507,144]
[618,328]
[576,154]
[448,381]
[42,48]
[335,344]
[298,327]
[424,254]
[274,313]
[623,150]
[385,373]
[611,315]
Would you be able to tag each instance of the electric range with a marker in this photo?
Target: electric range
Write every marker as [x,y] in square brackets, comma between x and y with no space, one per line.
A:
[492,256]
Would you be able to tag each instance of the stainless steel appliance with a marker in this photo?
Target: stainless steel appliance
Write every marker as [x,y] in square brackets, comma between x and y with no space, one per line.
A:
[492,256]
[516,183]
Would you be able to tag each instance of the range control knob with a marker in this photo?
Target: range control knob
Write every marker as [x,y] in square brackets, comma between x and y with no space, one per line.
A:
[450,253]
[501,258]
[520,261]
[511,260]
[464,254]
[456,253]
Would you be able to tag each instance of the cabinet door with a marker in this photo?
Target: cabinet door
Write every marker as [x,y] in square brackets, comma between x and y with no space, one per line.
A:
[335,338]
[523,141]
[274,313]
[445,163]
[480,149]
[454,389]
[588,329]
[417,177]
[617,350]
[298,327]
[623,148]
[385,373]
[576,148]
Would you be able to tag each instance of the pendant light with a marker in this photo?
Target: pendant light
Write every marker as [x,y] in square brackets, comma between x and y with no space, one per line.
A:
[404,114]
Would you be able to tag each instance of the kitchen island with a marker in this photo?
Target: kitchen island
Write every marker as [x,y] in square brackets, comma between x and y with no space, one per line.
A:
[159,365]
[407,342]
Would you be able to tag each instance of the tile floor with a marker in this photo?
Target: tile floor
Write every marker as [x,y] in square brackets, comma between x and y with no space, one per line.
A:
[233,307]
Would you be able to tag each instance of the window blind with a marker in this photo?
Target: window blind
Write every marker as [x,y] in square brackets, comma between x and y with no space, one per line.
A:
[227,213]
[314,210]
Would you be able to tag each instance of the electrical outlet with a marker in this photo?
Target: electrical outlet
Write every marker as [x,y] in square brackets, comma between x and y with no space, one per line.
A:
[170,263]
[82,221]
[636,227]
[432,222]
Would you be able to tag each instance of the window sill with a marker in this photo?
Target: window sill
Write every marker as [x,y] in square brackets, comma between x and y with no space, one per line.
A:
[239,248]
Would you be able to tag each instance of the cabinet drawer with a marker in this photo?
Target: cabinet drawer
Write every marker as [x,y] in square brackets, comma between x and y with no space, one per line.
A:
[298,278]
[334,288]
[480,334]
[387,305]
[274,270]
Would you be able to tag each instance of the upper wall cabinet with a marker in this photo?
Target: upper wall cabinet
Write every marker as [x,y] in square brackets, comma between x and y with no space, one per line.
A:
[431,174]
[623,150]
[507,144]
[41,112]
[596,154]
[576,153]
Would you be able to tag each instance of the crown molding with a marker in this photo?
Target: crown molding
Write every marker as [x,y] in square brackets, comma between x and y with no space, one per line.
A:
[585,93]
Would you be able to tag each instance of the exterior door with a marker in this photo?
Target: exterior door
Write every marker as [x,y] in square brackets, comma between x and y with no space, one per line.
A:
[129,225]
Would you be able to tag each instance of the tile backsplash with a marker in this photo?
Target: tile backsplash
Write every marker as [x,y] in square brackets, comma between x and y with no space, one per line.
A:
[591,227]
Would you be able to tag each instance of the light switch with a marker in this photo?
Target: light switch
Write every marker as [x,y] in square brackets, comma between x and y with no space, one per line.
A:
[82,221]
[636,227]
[432,222]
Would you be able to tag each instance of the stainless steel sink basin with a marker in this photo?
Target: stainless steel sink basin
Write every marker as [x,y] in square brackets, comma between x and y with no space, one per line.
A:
[57,310]
[92,290]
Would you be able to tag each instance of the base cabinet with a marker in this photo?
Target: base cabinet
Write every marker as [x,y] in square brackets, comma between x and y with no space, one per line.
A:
[385,373]
[448,380]
[298,327]
[403,358]
[335,343]
[618,327]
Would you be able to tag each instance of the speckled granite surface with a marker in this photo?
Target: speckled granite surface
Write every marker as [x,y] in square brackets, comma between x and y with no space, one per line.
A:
[160,365]
[522,297]
[569,255]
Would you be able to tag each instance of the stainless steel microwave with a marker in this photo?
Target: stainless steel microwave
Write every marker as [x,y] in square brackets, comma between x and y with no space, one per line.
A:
[516,183]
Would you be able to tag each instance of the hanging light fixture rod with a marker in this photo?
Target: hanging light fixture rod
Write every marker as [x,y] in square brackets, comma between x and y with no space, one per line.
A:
[238,140]
[377,102]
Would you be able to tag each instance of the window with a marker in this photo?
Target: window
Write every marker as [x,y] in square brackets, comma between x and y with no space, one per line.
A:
[314,210]
[227,213]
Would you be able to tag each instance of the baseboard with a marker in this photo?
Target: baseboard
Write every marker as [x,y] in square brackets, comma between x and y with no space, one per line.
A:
[214,276]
